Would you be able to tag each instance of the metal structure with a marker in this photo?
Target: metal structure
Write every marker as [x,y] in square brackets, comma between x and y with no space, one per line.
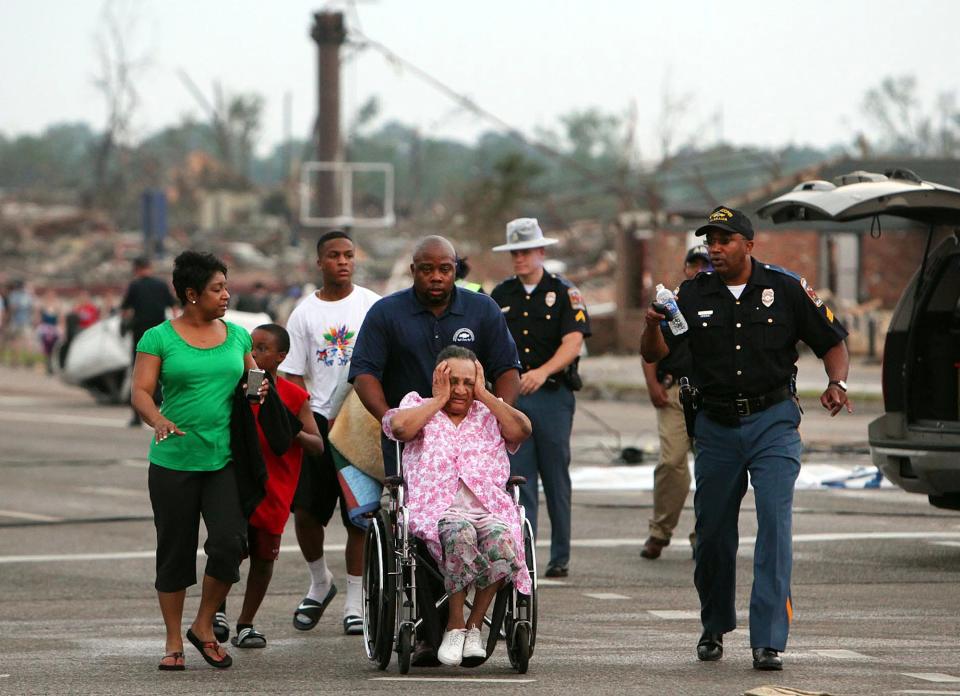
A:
[312,173]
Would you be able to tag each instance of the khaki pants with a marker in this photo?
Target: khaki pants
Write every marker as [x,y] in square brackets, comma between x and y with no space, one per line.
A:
[671,477]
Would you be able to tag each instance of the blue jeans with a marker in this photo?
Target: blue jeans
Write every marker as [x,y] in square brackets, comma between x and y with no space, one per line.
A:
[766,446]
[546,454]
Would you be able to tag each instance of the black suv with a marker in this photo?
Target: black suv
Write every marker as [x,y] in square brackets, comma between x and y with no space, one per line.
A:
[916,442]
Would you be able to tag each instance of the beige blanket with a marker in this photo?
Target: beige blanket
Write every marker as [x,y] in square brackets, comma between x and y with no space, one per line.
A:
[356,435]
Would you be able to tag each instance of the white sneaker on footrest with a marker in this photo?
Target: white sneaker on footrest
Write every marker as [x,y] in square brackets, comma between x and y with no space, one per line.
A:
[451,649]
[472,645]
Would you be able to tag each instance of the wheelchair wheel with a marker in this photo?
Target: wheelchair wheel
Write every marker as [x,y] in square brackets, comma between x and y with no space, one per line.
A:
[379,590]
[530,551]
[405,647]
[520,655]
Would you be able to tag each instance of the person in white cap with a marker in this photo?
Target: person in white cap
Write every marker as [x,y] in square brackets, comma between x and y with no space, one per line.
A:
[548,320]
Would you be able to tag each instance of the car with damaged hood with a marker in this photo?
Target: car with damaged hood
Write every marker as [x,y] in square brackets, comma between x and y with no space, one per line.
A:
[98,358]
[916,442]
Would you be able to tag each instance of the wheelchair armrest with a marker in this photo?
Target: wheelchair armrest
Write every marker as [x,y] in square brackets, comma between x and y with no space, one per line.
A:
[393,482]
[516,481]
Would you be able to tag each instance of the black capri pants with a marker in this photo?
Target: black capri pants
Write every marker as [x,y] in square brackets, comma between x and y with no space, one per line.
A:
[179,500]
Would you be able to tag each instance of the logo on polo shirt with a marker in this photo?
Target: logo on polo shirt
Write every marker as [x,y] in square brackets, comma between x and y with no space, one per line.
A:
[463,335]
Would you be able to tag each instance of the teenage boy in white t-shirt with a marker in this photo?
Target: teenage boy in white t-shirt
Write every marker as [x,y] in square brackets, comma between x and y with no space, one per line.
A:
[323,330]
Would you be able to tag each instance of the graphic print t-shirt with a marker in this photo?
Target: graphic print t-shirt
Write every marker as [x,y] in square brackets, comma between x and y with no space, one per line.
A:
[322,336]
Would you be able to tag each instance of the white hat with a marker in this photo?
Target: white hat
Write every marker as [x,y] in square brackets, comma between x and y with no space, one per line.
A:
[524,233]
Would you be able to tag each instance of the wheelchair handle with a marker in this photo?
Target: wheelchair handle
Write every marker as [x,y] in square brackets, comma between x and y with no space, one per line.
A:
[516,481]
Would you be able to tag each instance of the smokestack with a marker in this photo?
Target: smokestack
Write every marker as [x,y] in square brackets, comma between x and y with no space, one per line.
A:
[329,31]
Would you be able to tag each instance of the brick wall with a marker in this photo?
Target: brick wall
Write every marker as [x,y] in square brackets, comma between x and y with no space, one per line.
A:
[888,263]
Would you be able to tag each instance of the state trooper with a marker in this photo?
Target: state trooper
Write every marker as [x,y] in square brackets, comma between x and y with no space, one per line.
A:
[744,321]
[548,321]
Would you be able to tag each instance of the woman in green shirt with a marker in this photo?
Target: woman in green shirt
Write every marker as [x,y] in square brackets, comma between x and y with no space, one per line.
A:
[198,359]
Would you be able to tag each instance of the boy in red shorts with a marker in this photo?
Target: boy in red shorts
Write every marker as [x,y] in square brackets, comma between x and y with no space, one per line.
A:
[270,345]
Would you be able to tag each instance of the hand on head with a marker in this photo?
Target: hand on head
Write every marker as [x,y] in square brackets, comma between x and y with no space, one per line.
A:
[480,382]
[441,382]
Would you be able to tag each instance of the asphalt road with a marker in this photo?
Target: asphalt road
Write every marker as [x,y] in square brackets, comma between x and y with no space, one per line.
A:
[875,582]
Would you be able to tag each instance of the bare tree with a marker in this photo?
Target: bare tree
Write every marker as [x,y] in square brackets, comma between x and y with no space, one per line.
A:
[906,126]
[119,69]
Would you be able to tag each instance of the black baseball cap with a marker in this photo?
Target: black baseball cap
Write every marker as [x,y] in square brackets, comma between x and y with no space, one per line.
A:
[728,220]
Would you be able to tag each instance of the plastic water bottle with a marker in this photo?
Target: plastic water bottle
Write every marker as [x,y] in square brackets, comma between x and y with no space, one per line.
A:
[675,320]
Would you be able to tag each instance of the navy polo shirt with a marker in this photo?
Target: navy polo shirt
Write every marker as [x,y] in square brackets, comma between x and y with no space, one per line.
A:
[400,339]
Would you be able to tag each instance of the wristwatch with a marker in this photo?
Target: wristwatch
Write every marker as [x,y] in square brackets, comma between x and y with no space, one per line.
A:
[839,382]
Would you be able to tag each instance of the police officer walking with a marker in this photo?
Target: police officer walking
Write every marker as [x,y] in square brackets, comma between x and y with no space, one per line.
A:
[548,321]
[744,323]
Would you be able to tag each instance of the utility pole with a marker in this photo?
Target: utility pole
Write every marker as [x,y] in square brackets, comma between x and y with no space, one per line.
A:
[329,32]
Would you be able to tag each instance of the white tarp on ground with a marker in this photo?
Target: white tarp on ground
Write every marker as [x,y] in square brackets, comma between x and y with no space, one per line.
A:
[640,478]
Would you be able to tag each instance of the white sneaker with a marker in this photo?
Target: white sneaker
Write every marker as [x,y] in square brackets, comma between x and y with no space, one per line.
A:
[472,645]
[451,649]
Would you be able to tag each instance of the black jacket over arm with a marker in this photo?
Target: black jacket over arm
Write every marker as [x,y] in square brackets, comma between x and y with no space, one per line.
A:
[279,426]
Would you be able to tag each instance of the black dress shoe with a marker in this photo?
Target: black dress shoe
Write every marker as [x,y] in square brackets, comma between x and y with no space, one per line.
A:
[424,655]
[710,646]
[556,571]
[652,547]
[767,659]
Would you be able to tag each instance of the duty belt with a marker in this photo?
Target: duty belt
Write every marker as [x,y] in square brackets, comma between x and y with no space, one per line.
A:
[745,406]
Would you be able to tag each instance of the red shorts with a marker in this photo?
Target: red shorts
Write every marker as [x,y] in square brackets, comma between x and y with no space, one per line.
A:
[263,545]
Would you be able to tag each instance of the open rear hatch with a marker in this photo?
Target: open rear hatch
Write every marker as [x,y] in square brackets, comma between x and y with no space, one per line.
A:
[922,355]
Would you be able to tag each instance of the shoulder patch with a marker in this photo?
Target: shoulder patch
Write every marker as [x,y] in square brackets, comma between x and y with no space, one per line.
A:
[779,269]
[807,288]
[576,299]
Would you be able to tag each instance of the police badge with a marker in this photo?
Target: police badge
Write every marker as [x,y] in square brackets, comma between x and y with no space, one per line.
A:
[550,299]
[767,297]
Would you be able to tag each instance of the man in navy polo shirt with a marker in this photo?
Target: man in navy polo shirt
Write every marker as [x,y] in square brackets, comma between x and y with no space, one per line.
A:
[403,333]
[396,351]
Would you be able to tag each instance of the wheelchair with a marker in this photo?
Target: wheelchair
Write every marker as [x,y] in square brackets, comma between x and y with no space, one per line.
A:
[403,594]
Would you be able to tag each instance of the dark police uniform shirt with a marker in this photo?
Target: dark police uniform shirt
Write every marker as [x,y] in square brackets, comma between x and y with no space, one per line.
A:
[748,347]
[401,338]
[540,319]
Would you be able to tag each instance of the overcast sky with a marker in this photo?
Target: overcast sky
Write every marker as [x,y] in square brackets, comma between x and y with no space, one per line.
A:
[775,72]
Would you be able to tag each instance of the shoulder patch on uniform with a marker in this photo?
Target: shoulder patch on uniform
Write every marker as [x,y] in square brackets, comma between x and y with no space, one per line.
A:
[576,299]
[829,314]
[807,288]
[581,316]
[780,269]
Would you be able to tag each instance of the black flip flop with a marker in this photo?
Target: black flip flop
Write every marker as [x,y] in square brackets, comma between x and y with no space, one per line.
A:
[249,638]
[312,610]
[203,646]
[174,667]
[221,629]
[352,625]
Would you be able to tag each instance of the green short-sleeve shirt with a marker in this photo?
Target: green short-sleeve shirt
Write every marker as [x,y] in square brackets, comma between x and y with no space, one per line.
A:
[198,386]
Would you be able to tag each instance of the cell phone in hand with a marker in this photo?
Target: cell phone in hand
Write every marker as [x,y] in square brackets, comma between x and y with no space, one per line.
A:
[660,308]
[254,380]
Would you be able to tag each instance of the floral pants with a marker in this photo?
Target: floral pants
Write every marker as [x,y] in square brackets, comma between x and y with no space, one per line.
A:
[482,555]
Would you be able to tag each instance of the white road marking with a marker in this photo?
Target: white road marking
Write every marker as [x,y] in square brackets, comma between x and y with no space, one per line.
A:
[945,543]
[928,692]
[111,490]
[468,680]
[550,582]
[672,614]
[843,654]
[122,555]
[605,595]
[62,419]
[28,516]
[581,543]
[933,677]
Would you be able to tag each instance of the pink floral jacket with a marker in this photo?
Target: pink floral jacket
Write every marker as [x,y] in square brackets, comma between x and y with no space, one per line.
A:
[439,456]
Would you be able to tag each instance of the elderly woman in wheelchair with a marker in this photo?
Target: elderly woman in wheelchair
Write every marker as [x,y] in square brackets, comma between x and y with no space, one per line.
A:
[456,469]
